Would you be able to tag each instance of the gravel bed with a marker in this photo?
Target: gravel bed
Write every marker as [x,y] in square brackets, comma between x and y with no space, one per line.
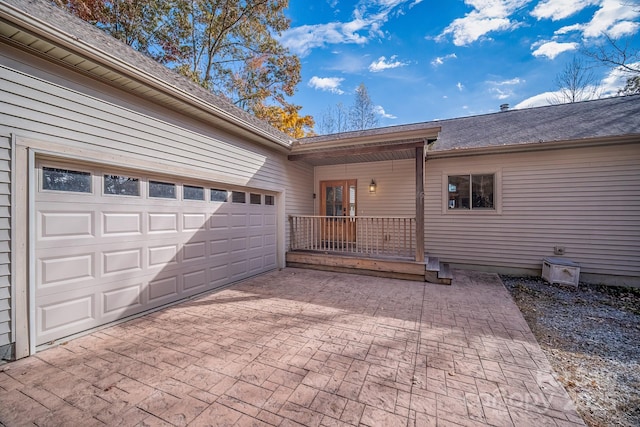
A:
[591,336]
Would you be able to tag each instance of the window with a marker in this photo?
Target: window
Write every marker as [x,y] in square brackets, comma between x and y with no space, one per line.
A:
[255,199]
[190,192]
[218,195]
[66,180]
[121,185]
[471,192]
[269,200]
[238,197]
[165,190]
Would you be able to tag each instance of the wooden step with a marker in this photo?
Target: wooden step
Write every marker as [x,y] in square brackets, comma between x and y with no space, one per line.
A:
[445,272]
[433,264]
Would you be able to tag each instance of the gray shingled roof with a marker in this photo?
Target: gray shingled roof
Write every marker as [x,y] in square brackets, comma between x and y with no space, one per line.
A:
[608,117]
[98,39]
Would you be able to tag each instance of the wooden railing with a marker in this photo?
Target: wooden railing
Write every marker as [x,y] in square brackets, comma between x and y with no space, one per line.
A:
[363,235]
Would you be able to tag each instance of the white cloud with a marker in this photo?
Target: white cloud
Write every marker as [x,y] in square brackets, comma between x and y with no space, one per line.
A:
[382,64]
[487,16]
[539,100]
[367,21]
[327,84]
[380,111]
[551,49]
[560,9]
[439,60]
[460,86]
[614,18]
[609,86]
[301,40]
[504,89]
[622,29]
[616,79]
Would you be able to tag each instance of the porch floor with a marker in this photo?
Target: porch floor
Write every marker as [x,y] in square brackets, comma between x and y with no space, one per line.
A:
[430,270]
[302,347]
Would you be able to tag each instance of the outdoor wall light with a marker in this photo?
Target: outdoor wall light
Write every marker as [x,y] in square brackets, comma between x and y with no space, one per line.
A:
[372,186]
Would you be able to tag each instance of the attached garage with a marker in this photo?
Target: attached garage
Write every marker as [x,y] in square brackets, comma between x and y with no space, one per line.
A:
[111,243]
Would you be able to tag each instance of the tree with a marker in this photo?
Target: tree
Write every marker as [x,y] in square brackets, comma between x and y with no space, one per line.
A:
[140,24]
[227,46]
[617,54]
[620,55]
[288,120]
[362,114]
[335,120]
[632,87]
[576,83]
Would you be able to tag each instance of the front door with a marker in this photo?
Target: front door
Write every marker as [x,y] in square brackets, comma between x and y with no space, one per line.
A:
[338,203]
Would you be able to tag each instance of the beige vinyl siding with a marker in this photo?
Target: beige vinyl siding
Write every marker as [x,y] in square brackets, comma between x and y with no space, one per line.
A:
[584,199]
[395,193]
[37,103]
[5,247]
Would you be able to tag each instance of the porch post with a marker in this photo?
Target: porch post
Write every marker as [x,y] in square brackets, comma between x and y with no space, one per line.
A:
[420,202]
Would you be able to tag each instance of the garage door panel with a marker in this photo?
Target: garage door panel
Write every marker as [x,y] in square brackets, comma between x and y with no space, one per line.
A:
[238,220]
[218,246]
[195,281]
[161,256]
[255,220]
[163,222]
[117,302]
[122,261]
[65,225]
[239,269]
[270,219]
[270,261]
[163,289]
[255,242]
[62,270]
[194,221]
[269,239]
[74,313]
[194,251]
[238,244]
[219,275]
[256,263]
[103,257]
[115,224]
[219,220]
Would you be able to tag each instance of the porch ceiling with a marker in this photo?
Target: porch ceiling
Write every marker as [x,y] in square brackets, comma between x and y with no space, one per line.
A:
[362,147]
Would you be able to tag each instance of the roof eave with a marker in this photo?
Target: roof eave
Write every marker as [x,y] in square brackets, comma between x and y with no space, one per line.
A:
[534,146]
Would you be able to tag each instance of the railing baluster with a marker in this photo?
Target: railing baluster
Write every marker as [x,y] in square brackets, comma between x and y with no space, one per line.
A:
[364,235]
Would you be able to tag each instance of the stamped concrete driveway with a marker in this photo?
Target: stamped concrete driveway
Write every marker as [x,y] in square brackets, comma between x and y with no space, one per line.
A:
[302,347]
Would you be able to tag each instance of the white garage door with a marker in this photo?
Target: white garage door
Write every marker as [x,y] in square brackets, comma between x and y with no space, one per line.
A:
[111,244]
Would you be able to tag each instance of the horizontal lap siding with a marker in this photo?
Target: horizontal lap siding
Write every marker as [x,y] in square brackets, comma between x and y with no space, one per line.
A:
[395,192]
[5,244]
[587,200]
[46,103]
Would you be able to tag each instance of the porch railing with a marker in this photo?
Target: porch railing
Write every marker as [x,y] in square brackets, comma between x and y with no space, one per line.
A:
[358,235]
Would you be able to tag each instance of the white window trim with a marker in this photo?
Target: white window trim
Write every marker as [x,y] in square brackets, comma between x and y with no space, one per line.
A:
[497,205]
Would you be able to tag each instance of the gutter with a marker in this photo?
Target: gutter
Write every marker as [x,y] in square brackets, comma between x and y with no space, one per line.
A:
[22,20]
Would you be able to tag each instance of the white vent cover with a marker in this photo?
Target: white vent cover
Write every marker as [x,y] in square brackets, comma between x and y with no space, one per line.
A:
[560,270]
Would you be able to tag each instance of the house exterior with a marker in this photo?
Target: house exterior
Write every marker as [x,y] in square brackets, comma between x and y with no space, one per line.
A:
[564,179]
[125,187]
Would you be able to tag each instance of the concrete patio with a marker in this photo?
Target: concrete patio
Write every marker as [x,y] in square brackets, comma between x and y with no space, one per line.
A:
[302,347]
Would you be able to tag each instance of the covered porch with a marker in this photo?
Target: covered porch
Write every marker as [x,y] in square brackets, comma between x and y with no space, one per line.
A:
[368,206]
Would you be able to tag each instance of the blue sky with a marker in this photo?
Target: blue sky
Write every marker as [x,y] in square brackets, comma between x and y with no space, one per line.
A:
[433,59]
